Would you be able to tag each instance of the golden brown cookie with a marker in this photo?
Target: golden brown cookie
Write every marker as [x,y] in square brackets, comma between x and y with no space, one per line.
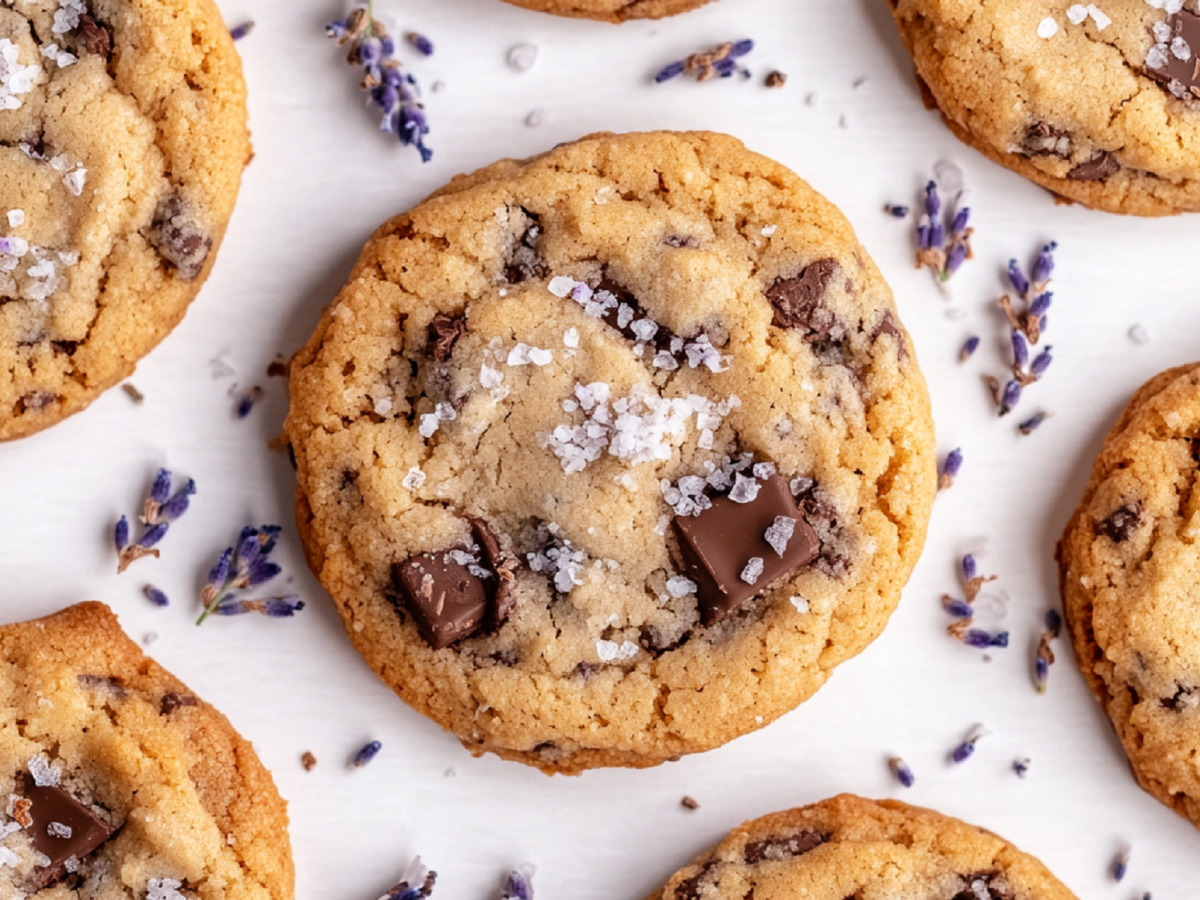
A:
[616,11]
[613,454]
[1129,566]
[1098,103]
[848,848]
[119,782]
[122,142]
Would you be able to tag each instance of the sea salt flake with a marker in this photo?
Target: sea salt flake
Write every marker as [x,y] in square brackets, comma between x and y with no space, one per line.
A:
[1047,28]
[800,603]
[9,858]
[58,830]
[429,425]
[71,864]
[745,490]
[561,286]
[414,479]
[164,889]
[764,470]
[383,406]
[16,217]
[571,338]
[540,357]
[1180,49]
[45,773]
[770,230]
[611,651]
[780,533]
[1077,14]
[1157,57]
[753,570]
[445,412]
[489,377]
[678,586]
[644,329]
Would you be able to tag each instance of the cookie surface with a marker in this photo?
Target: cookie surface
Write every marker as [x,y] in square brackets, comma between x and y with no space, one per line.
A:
[613,454]
[611,10]
[848,848]
[120,782]
[1129,564]
[122,142]
[1103,109]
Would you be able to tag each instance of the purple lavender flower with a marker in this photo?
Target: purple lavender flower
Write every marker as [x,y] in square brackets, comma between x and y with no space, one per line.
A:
[415,883]
[366,754]
[720,62]
[959,609]
[902,772]
[1017,278]
[241,567]
[1043,268]
[938,250]
[159,510]
[966,749]
[1020,350]
[1120,864]
[1021,767]
[246,401]
[155,596]
[1029,426]
[951,466]
[392,91]
[977,638]
[240,31]
[420,43]
[896,211]
[968,348]
[970,568]
[1041,363]
[1041,305]
[933,202]
[1011,397]
[519,886]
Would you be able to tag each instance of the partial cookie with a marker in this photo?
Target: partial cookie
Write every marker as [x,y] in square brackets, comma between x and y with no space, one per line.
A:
[616,11]
[848,848]
[1099,105]
[122,783]
[613,454]
[1129,565]
[122,142]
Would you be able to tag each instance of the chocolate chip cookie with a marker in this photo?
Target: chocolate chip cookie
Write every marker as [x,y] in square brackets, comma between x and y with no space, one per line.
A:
[116,781]
[1099,103]
[122,142]
[1129,564]
[612,454]
[616,11]
[848,848]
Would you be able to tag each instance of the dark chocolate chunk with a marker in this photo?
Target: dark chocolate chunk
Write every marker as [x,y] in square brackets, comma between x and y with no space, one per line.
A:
[994,884]
[1185,698]
[1180,76]
[690,889]
[444,333]
[797,303]
[172,700]
[1099,167]
[718,547]
[38,400]
[613,316]
[108,684]
[178,237]
[1042,139]
[889,327]
[95,36]
[776,848]
[447,600]
[1122,523]
[277,369]
[62,828]
[681,241]
[525,262]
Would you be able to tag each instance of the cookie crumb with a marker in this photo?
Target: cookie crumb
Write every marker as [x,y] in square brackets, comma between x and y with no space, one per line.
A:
[277,369]
[308,761]
[775,79]
[689,803]
[133,393]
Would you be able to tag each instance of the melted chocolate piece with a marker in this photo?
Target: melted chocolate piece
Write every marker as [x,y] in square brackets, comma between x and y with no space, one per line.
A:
[776,848]
[1098,168]
[797,303]
[525,263]
[1180,76]
[172,700]
[717,545]
[447,601]
[1042,139]
[95,36]
[56,814]
[444,333]
[1122,523]
[178,237]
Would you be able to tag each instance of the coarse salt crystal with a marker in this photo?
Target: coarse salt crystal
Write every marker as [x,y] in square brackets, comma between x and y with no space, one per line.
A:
[16,217]
[164,889]
[610,651]
[540,357]
[76,180]
[1077,13]
[800,603]
[1157,57]
[1102,21]
[1047,28]
[8,858]
[58,830]
[561,286]
[383,406]
[1180,49]
[428,426]
[489,377]
[571,338]
[745,490]
[678,586]
[45,773]
[770,230]
[753,570]
[780,533]
[414,479]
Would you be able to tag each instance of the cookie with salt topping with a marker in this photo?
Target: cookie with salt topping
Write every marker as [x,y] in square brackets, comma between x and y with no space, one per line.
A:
[615,11]
[122,142]
[1129,563]
[118,782]
[613,454]
[848,848]
[1099,103]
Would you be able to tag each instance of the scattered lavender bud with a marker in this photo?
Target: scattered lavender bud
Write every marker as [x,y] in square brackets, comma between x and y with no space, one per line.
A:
[1021,767]
[720,62]
[519,885]
[243,566]
[970,568]
[902,772]
[240,31]
[960,609]
[1010,398]
[951,466]
[968,348]
[896,211]
[246,401]
[966,749]
[1020,350]
[973,582]
[1120,865]
[977,638]
[155,596]
[420,43]
[121,534]
[1041,363]
[1044,657]
[366,754]
[1029,426]
[415,883]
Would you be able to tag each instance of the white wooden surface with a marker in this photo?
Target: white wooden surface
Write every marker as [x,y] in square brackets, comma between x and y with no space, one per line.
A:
[321,181]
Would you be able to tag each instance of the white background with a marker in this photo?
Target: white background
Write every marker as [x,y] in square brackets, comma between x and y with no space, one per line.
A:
[323,179]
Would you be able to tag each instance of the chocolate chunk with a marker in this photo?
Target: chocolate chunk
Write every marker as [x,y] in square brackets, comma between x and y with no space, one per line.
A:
[889,327]
[1042,139]
[62,828]
[277,369]
[985,886]
[38,400]
[1185,698]
[690,889]
[1122,523]
[726,552]
[777,848]
[797,303]
[107,684]
[178,237]
[447,600]
[172,700]
[525,262]
[95,36]
[681,241]
[444,333]
[1099,167]
[1180,76]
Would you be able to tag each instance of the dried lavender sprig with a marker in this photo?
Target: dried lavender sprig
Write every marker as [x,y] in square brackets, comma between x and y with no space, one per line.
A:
[159,510]
[951,466]
[970,345]
[940,249]
[966,749]
[393,92]
[720,62]
[902,772]
[1044,657]
[416,882]
[519,885]
[366,754]
[240,31]
[1120,865]
[978,638]
[156,596]
[240,567]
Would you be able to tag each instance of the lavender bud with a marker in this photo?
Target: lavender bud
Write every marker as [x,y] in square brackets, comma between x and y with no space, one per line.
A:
[1041,363]
[741,48]
[155,596]
[1020,350]
[955,258]
[267,536]
[366,754]
[1054,622]
[902,772]
[1041,303]
[240,31]
[219,573]
[177,505]
[937,233]
[1029,426]
[336,30]
[1017,278]
[121,534]
[953,464]
[1021,767]
[231,607]
[968,348]
[964,751]
[1000,640]
[1010,398]
[666,73]
[387,45]
[970,568]
[933,203]
[518,887]
[1044,267]
[959,226]
[977,638]
[960,609]
[161,488]
[1041,672]
[153,535]
[420,43]
[899,212]
[282,607]
[260,571]
[1120,865]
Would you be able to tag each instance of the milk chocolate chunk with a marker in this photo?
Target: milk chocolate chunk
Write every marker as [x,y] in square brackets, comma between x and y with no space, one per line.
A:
[62,828]
[726,550]
[1099,167]
[444,333]
[776,848]
[797,301]
[1122,522]
[1173,62]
